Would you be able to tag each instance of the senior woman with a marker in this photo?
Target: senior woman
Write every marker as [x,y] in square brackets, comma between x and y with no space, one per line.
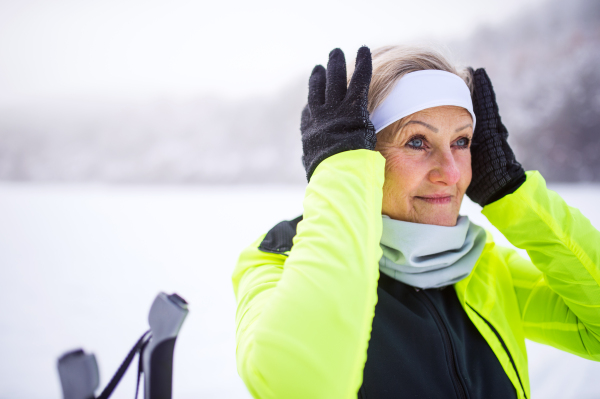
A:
[381,290]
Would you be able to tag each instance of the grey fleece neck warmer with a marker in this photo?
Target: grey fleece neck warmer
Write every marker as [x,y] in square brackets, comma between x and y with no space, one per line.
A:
[430,256]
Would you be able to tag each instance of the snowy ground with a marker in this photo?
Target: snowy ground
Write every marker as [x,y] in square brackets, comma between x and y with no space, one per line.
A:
[80,266]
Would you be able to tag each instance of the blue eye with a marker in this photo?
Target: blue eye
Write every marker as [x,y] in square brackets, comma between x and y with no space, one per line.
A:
[417,143]
[462,142]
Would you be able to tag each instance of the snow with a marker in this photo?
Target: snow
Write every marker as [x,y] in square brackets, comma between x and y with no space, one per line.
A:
[80,266]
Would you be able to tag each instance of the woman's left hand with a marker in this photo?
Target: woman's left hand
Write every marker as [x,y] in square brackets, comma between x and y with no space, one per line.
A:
[496,172]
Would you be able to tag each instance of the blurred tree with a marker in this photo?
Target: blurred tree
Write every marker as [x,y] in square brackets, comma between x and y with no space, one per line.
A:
[544,65]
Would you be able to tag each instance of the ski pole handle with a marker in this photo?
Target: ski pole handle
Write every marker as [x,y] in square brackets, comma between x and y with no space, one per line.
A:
[166,317]
[78,374]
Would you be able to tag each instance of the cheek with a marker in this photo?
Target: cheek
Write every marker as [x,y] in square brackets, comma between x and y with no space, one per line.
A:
[403,172]
[463,161]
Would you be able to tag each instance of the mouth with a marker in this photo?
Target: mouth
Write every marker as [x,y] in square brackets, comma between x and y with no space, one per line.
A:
[435,199]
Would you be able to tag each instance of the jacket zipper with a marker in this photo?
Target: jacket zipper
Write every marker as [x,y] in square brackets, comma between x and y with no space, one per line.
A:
[503,346]
[448,344]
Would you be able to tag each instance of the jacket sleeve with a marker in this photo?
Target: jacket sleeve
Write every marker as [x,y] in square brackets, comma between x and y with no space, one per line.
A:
[559,294]
[304,322]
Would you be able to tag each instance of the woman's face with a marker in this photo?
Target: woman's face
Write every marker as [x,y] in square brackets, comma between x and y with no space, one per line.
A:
[428,165]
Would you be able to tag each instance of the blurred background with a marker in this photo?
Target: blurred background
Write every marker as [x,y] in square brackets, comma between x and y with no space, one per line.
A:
[143,144]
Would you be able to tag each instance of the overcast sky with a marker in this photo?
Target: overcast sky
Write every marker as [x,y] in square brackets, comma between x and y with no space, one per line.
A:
[132,49]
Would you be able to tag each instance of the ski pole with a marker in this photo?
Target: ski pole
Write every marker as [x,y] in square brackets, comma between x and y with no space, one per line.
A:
[78,374]
[166,317]
[78,371]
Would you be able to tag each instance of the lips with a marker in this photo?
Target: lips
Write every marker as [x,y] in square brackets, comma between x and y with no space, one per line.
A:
[436,199]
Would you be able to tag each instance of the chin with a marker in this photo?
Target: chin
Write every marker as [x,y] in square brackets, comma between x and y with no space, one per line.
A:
[438,214]
[449,221]
[435,213]
[437,217]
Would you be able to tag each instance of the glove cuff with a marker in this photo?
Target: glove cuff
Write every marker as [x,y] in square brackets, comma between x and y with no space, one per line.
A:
[359,140]
[510,188]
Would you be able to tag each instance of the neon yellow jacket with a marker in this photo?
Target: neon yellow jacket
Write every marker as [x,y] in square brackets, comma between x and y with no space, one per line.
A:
[304,317]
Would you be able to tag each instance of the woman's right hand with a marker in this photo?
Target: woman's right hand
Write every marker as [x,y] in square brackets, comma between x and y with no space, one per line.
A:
[336,117]
[306,303]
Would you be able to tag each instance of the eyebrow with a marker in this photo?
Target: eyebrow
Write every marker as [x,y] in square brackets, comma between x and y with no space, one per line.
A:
[464,127]
[428,126]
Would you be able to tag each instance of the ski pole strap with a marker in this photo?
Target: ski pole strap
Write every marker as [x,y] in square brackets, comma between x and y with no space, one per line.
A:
[140,366]
[124,366]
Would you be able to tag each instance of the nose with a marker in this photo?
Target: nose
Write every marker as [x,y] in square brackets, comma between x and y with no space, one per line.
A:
[445,170]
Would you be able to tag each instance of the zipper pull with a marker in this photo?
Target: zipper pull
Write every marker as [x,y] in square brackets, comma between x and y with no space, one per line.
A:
[417,289]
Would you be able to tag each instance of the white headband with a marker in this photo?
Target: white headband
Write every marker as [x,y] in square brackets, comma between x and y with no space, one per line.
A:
[419,90]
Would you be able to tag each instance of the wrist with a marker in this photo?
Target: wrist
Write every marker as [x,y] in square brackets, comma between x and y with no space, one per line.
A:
[361,167]
[512,186]
[317,152]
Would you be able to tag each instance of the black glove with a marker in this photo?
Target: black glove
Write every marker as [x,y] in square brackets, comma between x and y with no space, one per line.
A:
[336,118]
[496,172]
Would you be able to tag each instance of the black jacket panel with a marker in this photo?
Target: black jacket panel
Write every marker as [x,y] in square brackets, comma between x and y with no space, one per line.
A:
[423,345]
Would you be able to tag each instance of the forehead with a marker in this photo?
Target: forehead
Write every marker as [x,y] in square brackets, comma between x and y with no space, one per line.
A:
[444,120]
[444,115]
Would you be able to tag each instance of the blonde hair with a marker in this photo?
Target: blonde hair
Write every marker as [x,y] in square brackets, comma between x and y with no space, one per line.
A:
[391,63]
